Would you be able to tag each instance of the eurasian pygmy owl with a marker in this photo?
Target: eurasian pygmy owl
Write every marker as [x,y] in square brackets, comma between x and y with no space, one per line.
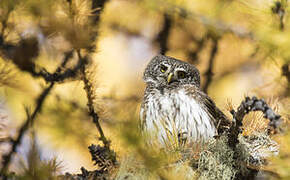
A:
[174,107]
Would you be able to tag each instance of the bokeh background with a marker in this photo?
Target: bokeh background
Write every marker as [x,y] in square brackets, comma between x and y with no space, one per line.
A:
[245,44]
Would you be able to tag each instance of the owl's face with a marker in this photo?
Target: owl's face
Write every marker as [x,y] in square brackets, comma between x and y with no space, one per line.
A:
[163,71]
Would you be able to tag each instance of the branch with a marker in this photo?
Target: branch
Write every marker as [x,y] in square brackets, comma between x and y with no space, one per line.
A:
[209,72]
[89,91]
[218,25]
[238,65]
[248,105]
[97,8]
[279,10]
[103,156]
[194,53]
[163,35]
[57,76]
[29,121]
[23,56]
[286,73]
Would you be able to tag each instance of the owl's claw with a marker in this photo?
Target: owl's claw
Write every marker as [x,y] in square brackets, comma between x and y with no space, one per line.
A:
[182,138]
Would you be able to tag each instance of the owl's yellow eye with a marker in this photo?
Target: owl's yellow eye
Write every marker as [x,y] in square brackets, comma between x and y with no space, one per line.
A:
[181,74]
[163,68]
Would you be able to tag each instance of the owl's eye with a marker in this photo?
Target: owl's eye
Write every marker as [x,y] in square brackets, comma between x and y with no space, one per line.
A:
[181,74]
[163,68]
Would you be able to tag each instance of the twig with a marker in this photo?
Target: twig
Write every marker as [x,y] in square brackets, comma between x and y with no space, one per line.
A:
[57,76]
[218,25]
[286,73]
[102,154]
[235,67]
[280,11]
[29,121]
[200,44]
[209,72]
[163,35]
[248,105]
[89,91]
[30,67]
[97,8]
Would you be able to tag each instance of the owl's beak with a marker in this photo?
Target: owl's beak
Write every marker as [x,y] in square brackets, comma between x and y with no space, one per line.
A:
[170,78]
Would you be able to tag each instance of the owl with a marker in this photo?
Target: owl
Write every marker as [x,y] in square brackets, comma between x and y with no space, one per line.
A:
[174,107]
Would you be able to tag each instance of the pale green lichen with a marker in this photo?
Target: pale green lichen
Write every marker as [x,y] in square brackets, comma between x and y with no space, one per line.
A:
[216,161]
[130,169]
[257,147]
[219,161]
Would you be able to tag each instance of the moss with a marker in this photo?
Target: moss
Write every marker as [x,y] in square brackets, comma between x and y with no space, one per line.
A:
[216,161]
[132,169]
[255,149]
[219,161]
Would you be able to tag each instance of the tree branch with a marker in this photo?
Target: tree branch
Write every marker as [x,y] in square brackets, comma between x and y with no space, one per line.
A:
[103,156]
[163,35]
[29,121]
[218,25]
[209,71]
[57,76]
[89,91]
[248,105]
[286,73]
[192,54]
[97,8]
[279,10]
[24,61]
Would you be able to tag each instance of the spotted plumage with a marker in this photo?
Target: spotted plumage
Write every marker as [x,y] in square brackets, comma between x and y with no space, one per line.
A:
[174,107]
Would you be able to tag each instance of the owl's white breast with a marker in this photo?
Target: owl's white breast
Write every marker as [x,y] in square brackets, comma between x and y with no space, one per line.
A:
[176,112]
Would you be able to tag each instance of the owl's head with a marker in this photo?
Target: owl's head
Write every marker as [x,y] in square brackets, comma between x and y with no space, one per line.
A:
[164,71]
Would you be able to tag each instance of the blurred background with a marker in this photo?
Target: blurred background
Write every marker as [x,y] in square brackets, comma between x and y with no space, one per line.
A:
[240,47]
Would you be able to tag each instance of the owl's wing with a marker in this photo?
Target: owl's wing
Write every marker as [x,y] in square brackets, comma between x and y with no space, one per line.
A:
[221,121]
